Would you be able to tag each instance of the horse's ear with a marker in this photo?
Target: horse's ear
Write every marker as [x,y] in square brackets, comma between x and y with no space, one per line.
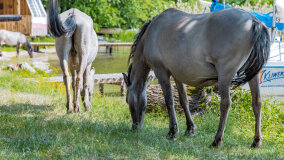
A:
[126,80]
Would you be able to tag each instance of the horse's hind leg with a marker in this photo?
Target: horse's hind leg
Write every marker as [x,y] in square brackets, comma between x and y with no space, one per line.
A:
[86,88]
[83,49]
[184,103]
[73,73]
[256,104]
[224,91]
[164,80]
[63,48]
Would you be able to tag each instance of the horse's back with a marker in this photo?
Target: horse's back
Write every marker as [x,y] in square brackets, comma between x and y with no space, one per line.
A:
[80,17]
[190,46]
[84,37]
[12,38]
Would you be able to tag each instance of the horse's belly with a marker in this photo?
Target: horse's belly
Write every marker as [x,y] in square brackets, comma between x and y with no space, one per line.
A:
[196,75]
[10,42]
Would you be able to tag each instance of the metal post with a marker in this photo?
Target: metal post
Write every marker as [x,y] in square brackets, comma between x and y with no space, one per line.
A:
[273,21]
[5,18]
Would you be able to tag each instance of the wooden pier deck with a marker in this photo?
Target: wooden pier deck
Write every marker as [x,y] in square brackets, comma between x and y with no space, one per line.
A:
[109,45]
[101,79]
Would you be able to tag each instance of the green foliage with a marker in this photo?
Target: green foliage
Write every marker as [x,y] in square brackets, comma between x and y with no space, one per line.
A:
[132,13]
[249,2]
[125,36]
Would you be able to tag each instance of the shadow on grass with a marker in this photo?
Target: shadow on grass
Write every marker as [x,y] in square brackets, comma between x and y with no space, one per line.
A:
[70,136]
[21,108]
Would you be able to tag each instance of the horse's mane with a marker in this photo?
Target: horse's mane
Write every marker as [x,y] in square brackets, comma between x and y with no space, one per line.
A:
[138,38]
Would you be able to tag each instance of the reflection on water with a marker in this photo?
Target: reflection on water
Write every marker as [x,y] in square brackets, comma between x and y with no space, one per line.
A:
[111,64]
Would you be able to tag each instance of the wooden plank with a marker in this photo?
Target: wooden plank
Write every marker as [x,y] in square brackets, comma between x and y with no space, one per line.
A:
[115,78]
[17,7]
[100,44]
[24,8]
[2,4]
[114,44]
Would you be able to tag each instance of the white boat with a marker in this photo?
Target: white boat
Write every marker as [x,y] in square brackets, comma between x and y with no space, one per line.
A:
[271,77]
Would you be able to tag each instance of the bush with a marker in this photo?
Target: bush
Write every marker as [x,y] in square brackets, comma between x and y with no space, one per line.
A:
[129,14]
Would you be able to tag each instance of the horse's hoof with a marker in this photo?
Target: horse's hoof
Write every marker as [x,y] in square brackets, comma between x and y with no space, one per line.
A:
[216,144]
[70,111]
[172,136]
[134,127]
[189,132]
[88,106]
[257,143]
[77,108]
[70,108]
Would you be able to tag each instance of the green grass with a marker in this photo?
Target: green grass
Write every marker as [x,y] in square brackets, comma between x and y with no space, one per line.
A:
[34,125]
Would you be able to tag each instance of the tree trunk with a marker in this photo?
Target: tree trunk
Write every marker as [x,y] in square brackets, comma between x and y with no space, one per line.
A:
[198,98]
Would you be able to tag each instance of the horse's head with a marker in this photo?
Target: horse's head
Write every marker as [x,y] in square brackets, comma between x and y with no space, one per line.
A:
[29,48]
[136,98]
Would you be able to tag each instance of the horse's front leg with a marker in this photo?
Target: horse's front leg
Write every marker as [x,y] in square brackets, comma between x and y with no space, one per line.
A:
[224,91]
[184,103]
[18,49]
[164,80]
[256,104]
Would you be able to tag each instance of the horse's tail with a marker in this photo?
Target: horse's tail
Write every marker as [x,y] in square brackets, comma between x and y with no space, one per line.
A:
[258,56]
[57,27]
[138,38]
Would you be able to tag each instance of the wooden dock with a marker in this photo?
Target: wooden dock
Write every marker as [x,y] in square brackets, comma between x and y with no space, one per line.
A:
[109,45]
[101,79]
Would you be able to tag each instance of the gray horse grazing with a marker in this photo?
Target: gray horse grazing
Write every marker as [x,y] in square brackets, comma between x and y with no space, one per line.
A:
[15,39]
[76,46]
[224,47]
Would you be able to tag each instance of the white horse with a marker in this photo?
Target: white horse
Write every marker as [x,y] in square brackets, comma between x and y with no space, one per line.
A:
[15,39]
[77,47]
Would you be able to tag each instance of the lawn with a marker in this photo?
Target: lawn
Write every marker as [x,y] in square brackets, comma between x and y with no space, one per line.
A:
[34,125]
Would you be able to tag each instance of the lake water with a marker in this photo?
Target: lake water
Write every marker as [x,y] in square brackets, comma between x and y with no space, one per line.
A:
[103,64]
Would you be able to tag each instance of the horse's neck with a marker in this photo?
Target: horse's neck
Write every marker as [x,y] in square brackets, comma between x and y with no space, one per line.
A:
[139,74]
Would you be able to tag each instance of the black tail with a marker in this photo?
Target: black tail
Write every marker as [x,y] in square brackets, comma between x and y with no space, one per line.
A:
[138,38]
[259,54]
[56,27]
